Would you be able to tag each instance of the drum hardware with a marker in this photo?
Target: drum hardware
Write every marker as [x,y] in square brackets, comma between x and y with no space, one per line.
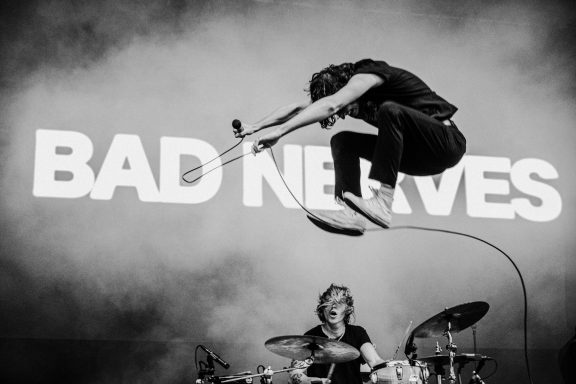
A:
[206,372]
[451,348]
[309,349]
[451,320]
[400,372]
[267,375]
[474,326]
[438,369]
[463,358]
[439,361]
[438,349]
[237,374]
[206,376]
[246,376]
[207,369]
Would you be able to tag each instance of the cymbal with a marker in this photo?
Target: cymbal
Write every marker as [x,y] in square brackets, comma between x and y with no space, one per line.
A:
[460,317]
[322,349]
[463,358]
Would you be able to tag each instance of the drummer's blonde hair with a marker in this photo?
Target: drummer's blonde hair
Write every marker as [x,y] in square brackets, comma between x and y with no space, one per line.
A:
[339,294]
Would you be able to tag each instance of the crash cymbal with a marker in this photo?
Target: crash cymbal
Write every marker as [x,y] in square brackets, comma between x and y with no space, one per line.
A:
[463,358]
[460,317]
[322,349]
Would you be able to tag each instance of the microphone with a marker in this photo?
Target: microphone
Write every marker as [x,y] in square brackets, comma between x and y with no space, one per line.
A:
[236,124]
[480,365]
[476,379]
[216,358]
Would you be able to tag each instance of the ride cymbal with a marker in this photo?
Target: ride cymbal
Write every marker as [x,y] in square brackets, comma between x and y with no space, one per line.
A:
[460,317]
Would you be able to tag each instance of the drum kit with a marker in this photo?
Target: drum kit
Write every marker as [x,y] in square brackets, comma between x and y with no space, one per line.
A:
[414,370]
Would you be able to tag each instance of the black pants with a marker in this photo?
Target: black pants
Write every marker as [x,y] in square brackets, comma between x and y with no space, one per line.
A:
[408,141]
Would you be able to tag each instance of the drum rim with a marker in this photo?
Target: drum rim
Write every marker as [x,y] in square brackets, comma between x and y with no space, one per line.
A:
[393,363]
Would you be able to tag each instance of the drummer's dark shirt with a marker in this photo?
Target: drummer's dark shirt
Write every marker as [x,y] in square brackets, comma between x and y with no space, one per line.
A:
[344,373]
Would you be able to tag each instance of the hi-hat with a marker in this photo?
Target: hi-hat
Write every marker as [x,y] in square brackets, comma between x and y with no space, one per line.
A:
[460,317]
[321,349]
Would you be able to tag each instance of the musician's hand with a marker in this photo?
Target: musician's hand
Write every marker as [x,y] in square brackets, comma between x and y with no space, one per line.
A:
[266,141]
[301,364]
[244,130]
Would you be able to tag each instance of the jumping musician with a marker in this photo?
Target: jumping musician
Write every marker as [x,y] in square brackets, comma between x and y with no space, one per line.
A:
[416,135]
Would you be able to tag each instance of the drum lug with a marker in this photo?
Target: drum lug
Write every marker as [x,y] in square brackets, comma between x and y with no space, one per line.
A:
[399,372]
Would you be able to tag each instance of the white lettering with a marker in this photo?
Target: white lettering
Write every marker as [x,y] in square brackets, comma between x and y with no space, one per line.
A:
[125,149]
[171,188]
[261,167]
[47,163]
[478,187]
[439,202]
[61,170]
[318,177]
[551,205]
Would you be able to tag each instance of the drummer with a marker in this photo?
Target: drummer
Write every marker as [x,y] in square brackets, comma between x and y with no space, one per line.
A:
[335,308]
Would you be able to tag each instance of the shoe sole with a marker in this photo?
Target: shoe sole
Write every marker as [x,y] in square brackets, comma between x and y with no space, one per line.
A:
[332,229]
[357,209]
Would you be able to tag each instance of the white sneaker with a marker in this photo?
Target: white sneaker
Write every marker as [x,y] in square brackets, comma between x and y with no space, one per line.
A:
[345,221]
[377,209]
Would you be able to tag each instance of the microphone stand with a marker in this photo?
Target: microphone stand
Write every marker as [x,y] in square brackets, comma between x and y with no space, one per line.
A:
[206,372]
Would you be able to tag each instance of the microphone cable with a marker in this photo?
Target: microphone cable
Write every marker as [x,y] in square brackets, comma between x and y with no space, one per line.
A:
[213,169]
[409,227]
[413,227]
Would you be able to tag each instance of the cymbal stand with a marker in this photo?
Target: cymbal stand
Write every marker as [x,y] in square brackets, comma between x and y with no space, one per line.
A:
[438,368]
[459,372]
[451,348]
[474,340]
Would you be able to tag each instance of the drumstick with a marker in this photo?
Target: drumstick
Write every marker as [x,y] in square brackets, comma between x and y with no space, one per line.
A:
[401,341]
[330,372]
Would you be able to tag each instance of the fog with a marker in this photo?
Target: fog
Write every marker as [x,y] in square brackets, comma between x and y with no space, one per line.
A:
[219,272]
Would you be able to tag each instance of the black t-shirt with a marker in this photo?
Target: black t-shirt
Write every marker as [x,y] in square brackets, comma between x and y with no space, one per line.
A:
[344,373]
[403,88]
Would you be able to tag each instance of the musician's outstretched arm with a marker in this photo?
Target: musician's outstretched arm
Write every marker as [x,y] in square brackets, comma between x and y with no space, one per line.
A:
[320,109]
[276,117]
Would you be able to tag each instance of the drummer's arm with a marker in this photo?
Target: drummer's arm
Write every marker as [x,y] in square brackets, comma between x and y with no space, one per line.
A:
[298,376]
[370,355]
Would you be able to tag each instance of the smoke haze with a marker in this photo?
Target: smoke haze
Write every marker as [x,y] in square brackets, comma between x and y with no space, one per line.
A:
[219,272]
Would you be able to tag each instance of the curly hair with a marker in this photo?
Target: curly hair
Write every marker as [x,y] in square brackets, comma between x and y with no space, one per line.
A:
[338,294]
[327,82]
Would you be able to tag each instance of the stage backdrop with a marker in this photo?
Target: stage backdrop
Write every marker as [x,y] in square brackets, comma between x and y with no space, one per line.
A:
[105,251]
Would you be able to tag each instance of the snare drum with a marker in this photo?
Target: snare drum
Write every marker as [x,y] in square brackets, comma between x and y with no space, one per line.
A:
[400,372]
